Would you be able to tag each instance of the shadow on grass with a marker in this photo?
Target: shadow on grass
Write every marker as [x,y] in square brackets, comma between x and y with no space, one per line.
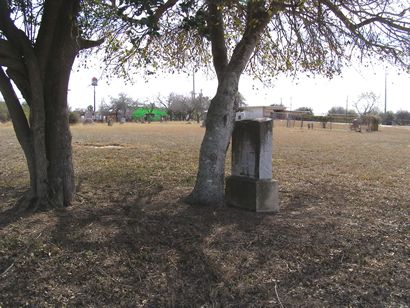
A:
[147,254]
[10,211]
[139,252]
[153,257]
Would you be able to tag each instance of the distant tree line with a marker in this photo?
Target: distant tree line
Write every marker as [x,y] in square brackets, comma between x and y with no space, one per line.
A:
[178,107]
[366,105]
[119,107]
[401,117]
[339,114]
[182,107]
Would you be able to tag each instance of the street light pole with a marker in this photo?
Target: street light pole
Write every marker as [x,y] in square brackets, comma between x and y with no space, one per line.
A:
[385,92]
[94,83]
[94,105]
[193,83]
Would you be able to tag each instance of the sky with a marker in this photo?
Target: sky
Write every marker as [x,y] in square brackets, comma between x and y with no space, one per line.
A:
[319,93]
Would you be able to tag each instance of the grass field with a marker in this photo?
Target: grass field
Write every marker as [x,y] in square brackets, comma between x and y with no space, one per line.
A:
[340,239]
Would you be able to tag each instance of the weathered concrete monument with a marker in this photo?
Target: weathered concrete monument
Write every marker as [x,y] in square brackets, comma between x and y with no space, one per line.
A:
[251,186]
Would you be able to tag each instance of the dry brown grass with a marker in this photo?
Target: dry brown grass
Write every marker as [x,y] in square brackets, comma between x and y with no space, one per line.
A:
[341,238]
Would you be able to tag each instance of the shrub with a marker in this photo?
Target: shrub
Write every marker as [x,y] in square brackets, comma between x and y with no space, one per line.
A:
[73,117]
[372,122]
[4,113]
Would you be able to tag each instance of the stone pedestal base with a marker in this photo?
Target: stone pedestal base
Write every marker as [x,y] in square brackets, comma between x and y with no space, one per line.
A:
[251,194]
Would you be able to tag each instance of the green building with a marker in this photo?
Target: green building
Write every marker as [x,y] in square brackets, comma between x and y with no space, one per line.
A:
[151,114]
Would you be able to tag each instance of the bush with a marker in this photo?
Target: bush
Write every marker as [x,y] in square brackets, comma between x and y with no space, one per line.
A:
[372,122]
[4,113]
[73,117]
[322,119]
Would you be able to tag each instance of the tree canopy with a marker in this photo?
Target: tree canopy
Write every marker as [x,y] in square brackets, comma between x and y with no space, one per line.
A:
[367,103]
[306,110]
[339,110]
[318,36]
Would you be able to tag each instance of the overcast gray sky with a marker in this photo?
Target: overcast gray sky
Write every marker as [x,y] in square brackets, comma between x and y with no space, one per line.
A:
[319,93]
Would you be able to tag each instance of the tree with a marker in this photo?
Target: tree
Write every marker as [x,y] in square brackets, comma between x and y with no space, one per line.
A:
[39,41]
[184,107]
[387,117]
[73,117]
[199,105]
[402,117]
[315,34]
[339,114]
[366,104]
[305,110]
[338,110]
[123,106]
[178,106]
[165,104]
[262,37]
[209,186]
[4,113]
[104,109]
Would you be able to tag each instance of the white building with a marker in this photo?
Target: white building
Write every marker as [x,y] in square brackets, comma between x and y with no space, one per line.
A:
[254,112]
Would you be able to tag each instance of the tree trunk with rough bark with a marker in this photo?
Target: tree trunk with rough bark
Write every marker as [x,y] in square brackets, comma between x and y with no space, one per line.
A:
[209,187]
[58,140]
[41,72]
[210,182]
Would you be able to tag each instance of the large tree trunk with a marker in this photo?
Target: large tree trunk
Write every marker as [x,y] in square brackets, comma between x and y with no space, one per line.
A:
[58,138]
[48,143]
[59,152]
[42,74]
[209,187]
